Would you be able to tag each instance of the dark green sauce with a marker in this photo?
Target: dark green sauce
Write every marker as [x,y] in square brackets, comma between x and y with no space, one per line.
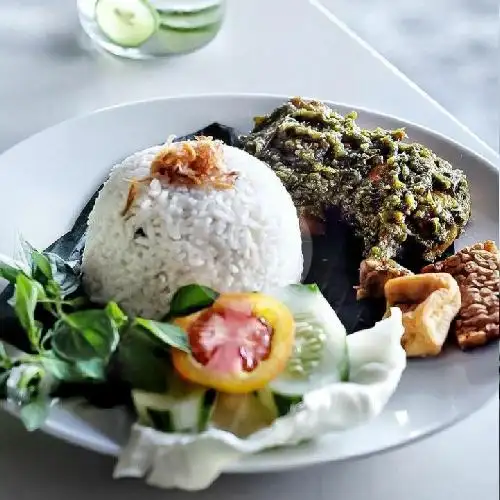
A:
[388,190]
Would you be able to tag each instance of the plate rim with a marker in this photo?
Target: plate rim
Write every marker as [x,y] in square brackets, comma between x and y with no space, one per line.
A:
[253,95]
[241,467]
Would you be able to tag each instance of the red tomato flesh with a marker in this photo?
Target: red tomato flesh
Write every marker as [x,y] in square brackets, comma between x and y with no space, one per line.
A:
[230,340]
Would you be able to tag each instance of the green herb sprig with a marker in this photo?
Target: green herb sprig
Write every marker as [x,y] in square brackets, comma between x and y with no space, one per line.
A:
[82,341]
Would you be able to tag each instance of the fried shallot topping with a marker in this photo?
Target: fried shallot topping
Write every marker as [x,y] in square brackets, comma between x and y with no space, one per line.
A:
[198,163]
[193,163]
[132,193]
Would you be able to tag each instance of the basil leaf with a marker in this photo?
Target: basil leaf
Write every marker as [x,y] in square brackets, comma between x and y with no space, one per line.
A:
[59,368]
[66,274]
[191,298]
[9,272]
[80,371]
[116,314]
[36,261]
[5,361]
[141,363]
[94,369]
[47,267]
[85,335]
[53,290]
[40,267]
[166,333]
[26,297]
[35,413]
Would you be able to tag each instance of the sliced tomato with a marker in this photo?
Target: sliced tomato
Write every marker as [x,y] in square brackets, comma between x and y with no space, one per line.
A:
[238,345]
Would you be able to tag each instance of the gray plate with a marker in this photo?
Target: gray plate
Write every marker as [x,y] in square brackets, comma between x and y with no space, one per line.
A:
[48,178]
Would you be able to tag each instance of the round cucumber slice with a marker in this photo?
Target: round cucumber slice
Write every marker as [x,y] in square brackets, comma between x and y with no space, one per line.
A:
[180,40]
[127,23]
[321,356]
[191,19]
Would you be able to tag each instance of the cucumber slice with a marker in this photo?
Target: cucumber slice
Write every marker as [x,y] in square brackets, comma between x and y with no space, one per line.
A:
[127,23]
[191,19]
[181,40]
[320,355]
[167,413]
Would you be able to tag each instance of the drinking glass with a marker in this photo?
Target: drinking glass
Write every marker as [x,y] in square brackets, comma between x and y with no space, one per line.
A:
[145,29]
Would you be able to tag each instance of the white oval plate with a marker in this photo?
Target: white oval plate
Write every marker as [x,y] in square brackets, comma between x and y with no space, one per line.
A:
[47,179]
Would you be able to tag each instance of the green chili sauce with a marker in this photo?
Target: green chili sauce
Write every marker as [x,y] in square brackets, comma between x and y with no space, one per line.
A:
[388,190]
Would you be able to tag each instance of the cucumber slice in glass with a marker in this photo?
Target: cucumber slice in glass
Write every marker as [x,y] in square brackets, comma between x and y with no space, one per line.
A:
[193,19]
[182,40]
[127,23]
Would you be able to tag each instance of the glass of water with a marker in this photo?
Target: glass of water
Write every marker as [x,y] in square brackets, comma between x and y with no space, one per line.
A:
[146,29]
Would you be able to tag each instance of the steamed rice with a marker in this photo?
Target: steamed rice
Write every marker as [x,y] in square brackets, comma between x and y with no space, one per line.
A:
[242,239]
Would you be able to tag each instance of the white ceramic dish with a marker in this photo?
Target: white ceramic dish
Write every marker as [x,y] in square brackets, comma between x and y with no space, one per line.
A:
[48,178]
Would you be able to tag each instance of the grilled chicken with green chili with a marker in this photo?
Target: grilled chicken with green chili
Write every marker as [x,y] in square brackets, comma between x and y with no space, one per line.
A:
[391,192]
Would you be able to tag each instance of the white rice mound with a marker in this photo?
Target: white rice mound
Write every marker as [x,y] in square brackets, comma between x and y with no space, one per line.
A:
[246,238]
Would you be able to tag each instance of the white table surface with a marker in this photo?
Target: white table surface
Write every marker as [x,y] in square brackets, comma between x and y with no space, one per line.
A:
[279,46]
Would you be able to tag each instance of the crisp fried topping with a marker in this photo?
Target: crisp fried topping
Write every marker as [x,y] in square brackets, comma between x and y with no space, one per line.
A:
[132,193]
[193,163]
[198,163]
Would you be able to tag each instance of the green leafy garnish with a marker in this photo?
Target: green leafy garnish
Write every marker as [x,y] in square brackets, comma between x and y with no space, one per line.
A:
[93,369]
[59,277]
[117,316]
[41,269]
[67,371]
[5,366]
[142,363]
[143,353]
[37,263]
[9,271]
[165,333]
[191,298]
[5,361]
[74,343]
[87,335]
[26,297]
[59,368]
